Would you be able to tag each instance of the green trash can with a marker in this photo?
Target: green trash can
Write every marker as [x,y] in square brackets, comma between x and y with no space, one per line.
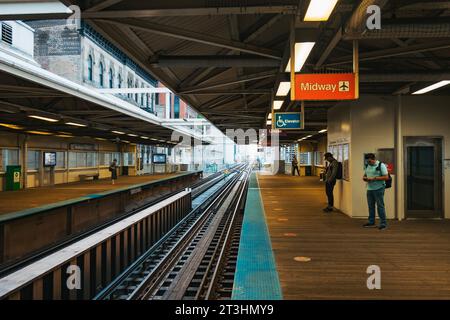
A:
[13,174]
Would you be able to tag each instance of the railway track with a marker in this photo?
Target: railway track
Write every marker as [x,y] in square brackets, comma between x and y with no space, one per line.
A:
[198,189]
[196,260]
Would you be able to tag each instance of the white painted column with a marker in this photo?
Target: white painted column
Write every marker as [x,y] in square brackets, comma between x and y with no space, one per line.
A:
[399,178]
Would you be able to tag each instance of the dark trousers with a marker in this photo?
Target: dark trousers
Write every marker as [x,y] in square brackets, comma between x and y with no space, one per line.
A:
[376,197]
[293,170]
[329,187]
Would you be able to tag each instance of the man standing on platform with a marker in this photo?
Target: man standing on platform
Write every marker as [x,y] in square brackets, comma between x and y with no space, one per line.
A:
[376,175]
[330,179]
[113,170]
[295,166]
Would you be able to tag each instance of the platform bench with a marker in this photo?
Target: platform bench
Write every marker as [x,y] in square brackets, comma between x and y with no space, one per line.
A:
[94,176]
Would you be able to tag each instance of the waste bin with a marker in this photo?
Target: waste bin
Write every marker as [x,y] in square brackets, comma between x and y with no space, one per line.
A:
[13,174]
[308,171]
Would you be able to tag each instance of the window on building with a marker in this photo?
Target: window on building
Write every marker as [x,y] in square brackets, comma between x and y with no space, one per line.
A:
[33,159]
[9,157]
[136,95]
[90,63]
[111,78]
[105,158]
[119,81]
[101,74]
[142,96]
[148,100]
[157,98]
[82,159]
[129,158]
[7,33]
[60,160]
[130,85]
[176,107]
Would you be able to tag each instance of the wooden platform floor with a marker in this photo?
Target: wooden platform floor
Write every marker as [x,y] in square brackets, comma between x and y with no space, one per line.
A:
[12,201]
[414,256]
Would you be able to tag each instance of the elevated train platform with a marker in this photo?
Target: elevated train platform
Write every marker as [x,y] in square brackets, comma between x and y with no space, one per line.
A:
[326,256]
[14,201]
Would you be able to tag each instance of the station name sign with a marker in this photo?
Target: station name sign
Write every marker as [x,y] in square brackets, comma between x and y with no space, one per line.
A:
[288,120]
[335,86]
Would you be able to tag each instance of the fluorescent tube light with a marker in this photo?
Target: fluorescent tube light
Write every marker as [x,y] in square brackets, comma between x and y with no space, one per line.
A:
[44,133]
[118,132]
[76,124]
[283,89]
[320,10]
[323,131]
[433,87]
[302,51]
[277,104]
[44,118]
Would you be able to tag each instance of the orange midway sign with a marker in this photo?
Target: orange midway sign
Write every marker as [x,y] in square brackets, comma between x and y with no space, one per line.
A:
[336,86]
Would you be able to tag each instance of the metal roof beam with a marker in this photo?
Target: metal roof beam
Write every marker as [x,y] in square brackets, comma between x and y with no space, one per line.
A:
[215,11]
[179,33]
[216,61]
[102,5]
[247,78]
[379,54]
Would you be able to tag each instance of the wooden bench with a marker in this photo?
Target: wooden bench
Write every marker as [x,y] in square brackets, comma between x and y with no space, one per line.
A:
[94,176]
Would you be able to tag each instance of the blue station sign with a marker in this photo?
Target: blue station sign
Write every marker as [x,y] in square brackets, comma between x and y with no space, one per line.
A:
[288,120]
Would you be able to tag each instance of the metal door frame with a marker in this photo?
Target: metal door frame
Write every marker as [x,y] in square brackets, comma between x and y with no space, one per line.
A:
[438,143]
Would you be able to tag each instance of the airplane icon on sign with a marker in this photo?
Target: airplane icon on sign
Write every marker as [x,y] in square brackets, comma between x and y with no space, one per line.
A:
[344,86]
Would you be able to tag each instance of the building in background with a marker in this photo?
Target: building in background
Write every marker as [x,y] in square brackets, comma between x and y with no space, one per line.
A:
[16,38]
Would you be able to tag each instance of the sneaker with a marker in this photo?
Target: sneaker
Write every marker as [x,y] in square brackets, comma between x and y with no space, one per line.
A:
[328,209]
[382,227]
[369,225]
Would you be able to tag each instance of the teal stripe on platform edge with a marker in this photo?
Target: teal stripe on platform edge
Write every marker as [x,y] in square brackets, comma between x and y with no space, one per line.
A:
[256,275]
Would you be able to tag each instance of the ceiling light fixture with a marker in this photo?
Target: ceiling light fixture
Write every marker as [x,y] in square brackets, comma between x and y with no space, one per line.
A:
[11,126]
[283,89]
[323,131]
[433,87]
[320,10]
[118,132]
[277,104]
[43,118]
[302,52]
[76,124]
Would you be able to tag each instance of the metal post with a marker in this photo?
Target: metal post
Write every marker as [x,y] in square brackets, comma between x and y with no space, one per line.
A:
[356,66]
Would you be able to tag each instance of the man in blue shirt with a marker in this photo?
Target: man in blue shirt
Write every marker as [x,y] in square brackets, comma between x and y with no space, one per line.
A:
[375,175]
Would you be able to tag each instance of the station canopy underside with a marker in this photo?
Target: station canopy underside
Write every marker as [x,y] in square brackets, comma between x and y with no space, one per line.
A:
[28,105]
[226,58]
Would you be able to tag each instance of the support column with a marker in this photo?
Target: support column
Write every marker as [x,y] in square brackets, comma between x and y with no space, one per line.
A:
[399,170]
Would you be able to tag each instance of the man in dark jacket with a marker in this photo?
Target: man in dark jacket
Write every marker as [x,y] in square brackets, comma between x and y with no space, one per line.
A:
[330,179]
[295,166]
